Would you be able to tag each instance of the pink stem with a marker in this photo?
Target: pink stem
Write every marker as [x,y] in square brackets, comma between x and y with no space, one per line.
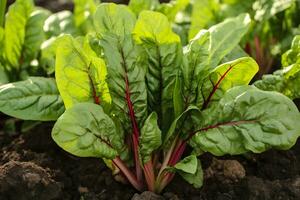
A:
[128,174]
[149,175]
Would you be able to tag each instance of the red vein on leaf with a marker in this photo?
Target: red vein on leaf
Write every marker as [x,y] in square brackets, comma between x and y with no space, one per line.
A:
[96,98]
[233,123]
[216,86]
[135,137]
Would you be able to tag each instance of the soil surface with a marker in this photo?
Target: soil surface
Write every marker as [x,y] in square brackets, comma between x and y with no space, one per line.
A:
[33,167]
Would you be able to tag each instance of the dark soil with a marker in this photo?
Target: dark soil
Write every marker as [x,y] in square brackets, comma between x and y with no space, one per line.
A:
[33,167]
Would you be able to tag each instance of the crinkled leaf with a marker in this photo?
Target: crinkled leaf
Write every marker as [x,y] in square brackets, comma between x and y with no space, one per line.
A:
[80,76]
[195,66]
[34,99]
[126,74]
[178,98]
[247,119]
[187,165]
[177,124]
[34,35]
[113,18]
[285,81]
[86,131]
[163,47]
[138,6]
[15,28]
[150,138]
[61,23]
[190,169]
[225,37]
[228,75]
[292,56]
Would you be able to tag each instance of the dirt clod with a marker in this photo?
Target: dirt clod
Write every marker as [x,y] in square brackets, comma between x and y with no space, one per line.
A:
[26,180]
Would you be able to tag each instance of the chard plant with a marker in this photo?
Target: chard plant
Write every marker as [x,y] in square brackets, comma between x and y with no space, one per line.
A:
[136,98]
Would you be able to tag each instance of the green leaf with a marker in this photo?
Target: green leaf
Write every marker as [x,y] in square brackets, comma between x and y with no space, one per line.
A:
[285,81]
[61,23]
[222,78]
[292,56]
[177,124]
[86,131]
[190,169]
[195,65]
[113,18]
[163,47]
[178,99]
[188,164]
[236,53]
[203,15]
[126,73]
[80,76]
[34,35]
[150,138]
[15,28]
[225,37]
[34,99]
[138,6]
[247,119]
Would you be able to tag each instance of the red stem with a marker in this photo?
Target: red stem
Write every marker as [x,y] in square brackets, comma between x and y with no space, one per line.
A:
[149,175]
[128,174]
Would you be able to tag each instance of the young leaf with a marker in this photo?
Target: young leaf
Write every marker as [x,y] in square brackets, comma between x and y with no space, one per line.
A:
[190,169]
[34,99]
[195,179]
[163,47]
[247,119]
[80,77]
[235,73]
[126,75]
[225,37]
[177,124]
[86,131]
[285,81]
[187,165]
[15,26]
[150,138]
[195,65]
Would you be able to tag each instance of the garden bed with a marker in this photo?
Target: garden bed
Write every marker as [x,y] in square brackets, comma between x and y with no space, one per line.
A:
[32,166]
